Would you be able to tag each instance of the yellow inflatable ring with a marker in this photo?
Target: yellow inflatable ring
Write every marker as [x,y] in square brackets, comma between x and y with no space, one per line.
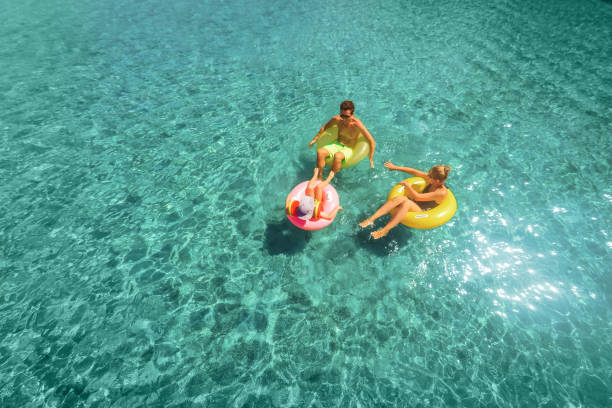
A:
[360,150]
[432,218]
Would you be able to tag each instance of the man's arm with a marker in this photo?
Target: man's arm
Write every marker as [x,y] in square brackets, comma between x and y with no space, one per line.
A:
[370,140]
[326,126]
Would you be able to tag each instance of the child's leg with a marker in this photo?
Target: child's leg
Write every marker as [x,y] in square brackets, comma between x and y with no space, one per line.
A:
[311,184]
[318,191]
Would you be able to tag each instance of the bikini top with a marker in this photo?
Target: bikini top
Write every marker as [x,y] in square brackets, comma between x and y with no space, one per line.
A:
[427,204]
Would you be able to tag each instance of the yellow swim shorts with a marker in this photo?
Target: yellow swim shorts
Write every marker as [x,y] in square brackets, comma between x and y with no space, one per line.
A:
[332,148]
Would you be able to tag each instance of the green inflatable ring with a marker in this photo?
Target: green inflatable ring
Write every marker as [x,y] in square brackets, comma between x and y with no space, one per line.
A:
[360,151]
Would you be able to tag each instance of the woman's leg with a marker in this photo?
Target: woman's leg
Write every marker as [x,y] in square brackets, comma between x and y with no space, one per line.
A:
[400,212]
[384,209]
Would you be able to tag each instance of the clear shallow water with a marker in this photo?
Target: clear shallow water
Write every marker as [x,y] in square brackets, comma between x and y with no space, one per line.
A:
[147,151]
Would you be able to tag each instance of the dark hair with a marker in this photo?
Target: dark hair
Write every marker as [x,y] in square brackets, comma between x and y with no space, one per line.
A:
[347,105]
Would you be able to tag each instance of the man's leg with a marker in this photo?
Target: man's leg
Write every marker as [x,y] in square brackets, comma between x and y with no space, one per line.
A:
[337,164]
[322,154]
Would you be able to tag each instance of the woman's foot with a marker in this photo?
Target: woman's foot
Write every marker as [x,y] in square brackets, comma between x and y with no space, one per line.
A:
[366,223]
[380,233]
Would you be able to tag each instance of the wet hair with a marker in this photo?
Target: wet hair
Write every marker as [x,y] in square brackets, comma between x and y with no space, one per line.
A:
[439,172]
[347,105]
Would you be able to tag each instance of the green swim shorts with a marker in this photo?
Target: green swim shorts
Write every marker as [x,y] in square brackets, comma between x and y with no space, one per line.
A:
[332,148]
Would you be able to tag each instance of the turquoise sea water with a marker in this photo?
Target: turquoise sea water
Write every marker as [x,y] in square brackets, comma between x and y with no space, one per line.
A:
[147,149]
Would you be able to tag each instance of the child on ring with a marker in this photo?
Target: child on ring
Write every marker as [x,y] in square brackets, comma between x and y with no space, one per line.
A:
[313,197]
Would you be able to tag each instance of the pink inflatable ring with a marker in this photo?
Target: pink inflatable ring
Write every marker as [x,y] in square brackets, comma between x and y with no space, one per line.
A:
[330,201]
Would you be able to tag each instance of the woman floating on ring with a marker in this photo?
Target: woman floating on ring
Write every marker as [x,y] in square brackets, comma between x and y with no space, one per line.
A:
[433,194]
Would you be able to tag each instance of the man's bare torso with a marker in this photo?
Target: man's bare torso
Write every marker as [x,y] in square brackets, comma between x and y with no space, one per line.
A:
[348,131]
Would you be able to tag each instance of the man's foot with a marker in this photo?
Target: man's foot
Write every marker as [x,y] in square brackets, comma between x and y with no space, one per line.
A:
[379,234]
[366,223]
